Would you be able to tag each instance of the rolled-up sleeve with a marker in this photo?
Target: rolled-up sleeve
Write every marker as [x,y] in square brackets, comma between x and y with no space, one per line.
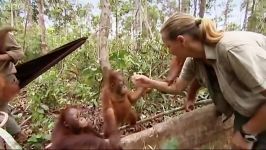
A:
[188,71]
[13,49]
[249,64]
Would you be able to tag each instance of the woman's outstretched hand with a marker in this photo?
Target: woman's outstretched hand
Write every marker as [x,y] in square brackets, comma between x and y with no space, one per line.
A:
[141,81]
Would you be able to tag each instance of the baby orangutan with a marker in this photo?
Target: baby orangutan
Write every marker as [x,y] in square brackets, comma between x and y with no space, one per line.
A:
[73,131]
[117,101]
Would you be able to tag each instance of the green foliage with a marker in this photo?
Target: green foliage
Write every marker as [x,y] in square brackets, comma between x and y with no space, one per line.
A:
[121,7]
[36,141]
[256,21]
[233,27]
[95,20]
[170,144]
[32,42]
[34,11]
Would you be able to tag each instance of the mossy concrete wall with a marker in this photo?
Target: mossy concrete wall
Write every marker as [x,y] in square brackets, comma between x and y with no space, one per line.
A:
[200,128]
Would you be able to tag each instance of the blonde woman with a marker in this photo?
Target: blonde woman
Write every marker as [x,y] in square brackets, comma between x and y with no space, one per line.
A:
[231,64]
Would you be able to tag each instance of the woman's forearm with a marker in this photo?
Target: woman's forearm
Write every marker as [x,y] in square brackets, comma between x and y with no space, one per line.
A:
[162,86]
[257,123]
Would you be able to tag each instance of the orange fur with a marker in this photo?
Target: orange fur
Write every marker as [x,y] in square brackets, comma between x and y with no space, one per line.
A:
[117,102]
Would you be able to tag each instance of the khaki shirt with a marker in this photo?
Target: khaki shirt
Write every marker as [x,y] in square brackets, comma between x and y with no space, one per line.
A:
[239,61]
[15,52]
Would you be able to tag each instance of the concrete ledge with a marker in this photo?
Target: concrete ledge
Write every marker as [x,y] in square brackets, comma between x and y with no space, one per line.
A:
[195,129]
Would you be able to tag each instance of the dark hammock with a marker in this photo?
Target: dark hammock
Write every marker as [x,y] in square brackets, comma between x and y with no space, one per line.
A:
[30,70]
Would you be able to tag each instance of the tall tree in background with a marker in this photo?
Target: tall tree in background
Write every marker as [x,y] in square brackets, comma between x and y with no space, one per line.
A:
[145,19]
[246,5]
[256,19]
[185,6]
[116,18]
[227,11]
[137,29]
[29,11]
[65,14]
[252,17]
[179,5]
[28,21]
[105,26]
[40,5]
[152,16]
[169,7]
[195,8]
[202,7]
[123,12]
[115,8]
[11,14]
[264,17]
[212,9]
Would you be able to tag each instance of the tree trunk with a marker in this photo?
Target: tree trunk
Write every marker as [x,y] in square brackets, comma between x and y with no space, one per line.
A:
[137,25]
[264,17]
[29,13]
[253,6]
[145,19]
[65,22]
[12,14]
[226,12]
[246,16]
[116,21]
[28,22]
[105,26]
[195,8]
[171,6]
[185,6]
[132,27]
[216,18]
[179,5]
[202,8]
[40,5]
[251,18]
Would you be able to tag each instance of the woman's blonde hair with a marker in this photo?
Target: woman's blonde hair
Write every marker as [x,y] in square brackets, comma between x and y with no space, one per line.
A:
[201,29]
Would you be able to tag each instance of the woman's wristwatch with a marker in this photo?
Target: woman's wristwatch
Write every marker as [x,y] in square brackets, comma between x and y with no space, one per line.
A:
[249,137]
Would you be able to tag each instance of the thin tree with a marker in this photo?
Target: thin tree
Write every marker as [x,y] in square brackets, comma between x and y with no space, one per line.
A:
[105,25]
[185,6]
[226,13]
[202,8]
[244,27]
[195,8]
[137,24]
[40,5]
[252,18]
